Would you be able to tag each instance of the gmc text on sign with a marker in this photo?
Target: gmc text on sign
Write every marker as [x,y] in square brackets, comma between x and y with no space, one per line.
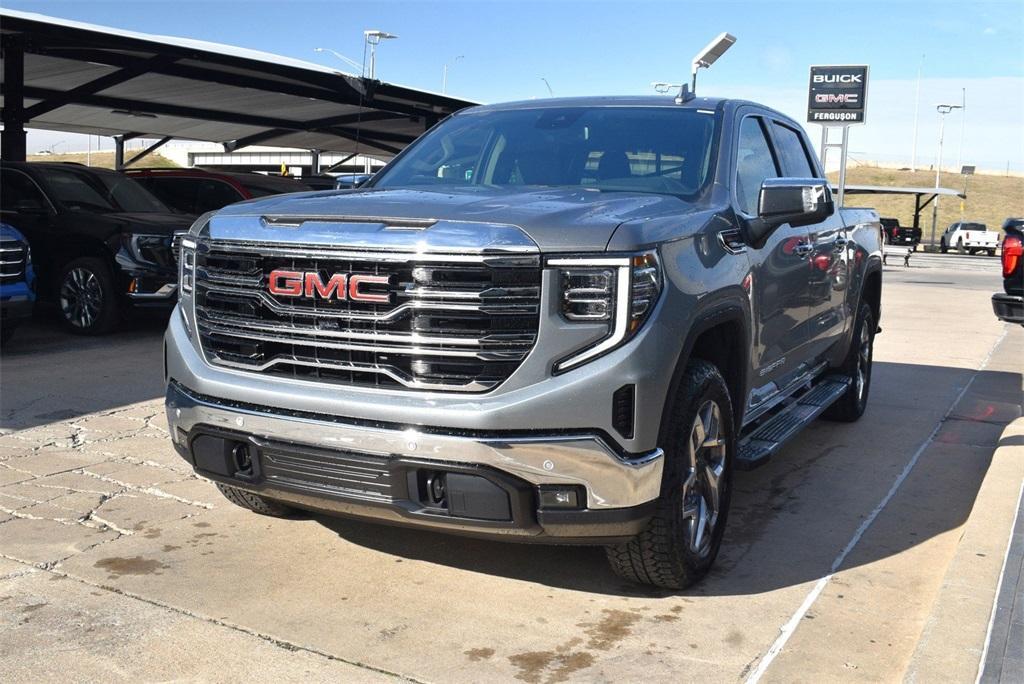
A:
[837,94]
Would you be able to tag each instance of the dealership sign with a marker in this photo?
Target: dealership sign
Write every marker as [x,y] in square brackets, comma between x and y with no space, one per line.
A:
[837,95]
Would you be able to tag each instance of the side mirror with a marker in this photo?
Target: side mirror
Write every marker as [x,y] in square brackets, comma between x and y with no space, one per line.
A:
[796,201]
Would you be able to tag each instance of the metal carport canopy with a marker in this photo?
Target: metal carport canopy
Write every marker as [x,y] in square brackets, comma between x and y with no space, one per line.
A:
[918,193]
[81,78]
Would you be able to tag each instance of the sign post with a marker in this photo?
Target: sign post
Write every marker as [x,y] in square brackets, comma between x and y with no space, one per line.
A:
[837,98]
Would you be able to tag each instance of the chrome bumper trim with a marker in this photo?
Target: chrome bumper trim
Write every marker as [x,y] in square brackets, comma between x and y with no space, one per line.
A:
[610,480]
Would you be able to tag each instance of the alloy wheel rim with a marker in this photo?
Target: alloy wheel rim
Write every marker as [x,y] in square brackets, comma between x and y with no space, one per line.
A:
[81,297]
[863,360]
[704,486]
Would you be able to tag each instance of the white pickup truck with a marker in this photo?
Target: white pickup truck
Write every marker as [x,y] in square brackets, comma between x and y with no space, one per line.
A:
[968,237]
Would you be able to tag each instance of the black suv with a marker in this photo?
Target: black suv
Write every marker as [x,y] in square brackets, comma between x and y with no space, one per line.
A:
[100,241]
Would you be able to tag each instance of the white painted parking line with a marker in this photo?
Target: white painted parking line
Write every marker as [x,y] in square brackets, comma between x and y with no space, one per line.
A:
[790,626]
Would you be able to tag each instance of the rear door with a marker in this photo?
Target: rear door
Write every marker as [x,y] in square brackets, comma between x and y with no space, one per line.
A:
[778,268]
[828,266]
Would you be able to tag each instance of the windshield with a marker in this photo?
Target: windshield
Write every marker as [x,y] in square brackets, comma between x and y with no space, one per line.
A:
[101,192]
[664,150]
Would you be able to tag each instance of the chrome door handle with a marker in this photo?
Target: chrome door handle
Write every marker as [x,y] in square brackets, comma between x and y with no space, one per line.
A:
[803,249]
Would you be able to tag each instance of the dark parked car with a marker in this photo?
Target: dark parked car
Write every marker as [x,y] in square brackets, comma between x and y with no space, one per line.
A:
[100,241]
[895,234]
[197,191]
[1009,304]
[17,281]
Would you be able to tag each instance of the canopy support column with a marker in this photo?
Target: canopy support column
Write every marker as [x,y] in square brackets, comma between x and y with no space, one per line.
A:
[12,139]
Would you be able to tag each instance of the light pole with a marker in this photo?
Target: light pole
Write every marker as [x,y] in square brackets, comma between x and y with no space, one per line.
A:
[373,38]
[351,62]
[444,78]
[917,110]
[963,124]
[943,110]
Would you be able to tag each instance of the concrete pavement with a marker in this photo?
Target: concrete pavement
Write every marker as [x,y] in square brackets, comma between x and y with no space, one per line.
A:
[859,553]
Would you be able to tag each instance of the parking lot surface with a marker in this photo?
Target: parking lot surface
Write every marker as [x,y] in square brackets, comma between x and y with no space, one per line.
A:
[865,551]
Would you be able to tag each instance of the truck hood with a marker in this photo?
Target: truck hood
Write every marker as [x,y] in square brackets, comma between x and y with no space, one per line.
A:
[557,219]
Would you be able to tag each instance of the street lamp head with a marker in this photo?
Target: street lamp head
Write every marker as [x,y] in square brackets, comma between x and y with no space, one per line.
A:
[662,87]
[713,50]
[947,108]
[705,58]
[378,35]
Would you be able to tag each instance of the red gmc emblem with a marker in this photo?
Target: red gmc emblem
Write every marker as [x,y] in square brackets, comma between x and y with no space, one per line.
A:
[340,286]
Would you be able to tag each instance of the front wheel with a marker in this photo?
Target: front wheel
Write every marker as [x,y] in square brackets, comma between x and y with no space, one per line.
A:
[856,367]
[681,540]
[87,298]
[255,502]
[942,247]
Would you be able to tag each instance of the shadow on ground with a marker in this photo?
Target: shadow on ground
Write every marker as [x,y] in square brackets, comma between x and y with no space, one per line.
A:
[790,518]
[47,378]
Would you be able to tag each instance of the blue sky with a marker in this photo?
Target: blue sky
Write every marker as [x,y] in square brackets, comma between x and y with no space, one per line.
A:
[619,48]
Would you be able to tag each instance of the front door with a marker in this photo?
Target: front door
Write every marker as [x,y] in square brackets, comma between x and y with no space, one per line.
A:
[778,270]
[828,261]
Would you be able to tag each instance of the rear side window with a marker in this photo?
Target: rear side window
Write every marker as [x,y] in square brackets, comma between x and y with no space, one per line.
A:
[792,153]
[754,163]
[19,193]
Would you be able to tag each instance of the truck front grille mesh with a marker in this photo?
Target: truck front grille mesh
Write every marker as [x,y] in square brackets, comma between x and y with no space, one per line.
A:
[12,260]
[458,323]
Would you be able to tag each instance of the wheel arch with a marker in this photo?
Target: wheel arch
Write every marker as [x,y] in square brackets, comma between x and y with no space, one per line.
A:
[720,335]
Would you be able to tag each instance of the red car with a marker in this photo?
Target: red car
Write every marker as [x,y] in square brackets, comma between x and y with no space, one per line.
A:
[197,191]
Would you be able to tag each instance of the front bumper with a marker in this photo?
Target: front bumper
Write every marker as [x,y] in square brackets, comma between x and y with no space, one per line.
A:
[1009,308]
[371,470]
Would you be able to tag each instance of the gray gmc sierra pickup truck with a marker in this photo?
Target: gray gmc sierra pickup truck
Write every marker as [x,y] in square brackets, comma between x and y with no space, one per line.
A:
[563,321]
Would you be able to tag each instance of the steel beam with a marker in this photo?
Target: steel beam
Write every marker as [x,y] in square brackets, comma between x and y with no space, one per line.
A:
[147,151]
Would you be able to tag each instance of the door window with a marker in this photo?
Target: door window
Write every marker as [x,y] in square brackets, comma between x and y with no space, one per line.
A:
[792,152]
[754,163]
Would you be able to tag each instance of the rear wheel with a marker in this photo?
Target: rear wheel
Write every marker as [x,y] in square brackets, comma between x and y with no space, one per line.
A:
[682,539]
[857,367]
[255,502]
[960,246]
[88,301]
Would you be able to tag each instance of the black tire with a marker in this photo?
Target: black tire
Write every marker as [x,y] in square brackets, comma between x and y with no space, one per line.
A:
[960,246]
[86,297]
[942,247]
[858,363]
[255,502]
[663,555]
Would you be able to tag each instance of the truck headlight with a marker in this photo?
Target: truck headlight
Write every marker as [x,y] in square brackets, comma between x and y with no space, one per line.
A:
[617,291]
[187,245]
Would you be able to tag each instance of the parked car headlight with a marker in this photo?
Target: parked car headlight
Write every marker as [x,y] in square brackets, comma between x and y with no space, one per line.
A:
[150,249]
[619,292]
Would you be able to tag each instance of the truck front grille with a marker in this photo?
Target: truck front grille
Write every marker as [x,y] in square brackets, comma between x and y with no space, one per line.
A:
[12,260]
[459,322]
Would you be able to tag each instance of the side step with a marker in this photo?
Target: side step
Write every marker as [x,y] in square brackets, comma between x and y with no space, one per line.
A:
[756,448]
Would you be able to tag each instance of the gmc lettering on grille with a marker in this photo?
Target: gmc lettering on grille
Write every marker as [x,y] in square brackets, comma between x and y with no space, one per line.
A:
[340,286]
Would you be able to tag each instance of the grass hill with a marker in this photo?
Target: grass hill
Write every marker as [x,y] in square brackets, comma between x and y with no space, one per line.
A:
[104,160]
[990,198]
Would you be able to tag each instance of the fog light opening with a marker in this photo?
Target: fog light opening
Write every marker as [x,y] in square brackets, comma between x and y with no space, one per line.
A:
[242,460]
[567,497]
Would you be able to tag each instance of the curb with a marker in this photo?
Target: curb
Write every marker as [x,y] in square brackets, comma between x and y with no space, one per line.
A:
[953,640]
